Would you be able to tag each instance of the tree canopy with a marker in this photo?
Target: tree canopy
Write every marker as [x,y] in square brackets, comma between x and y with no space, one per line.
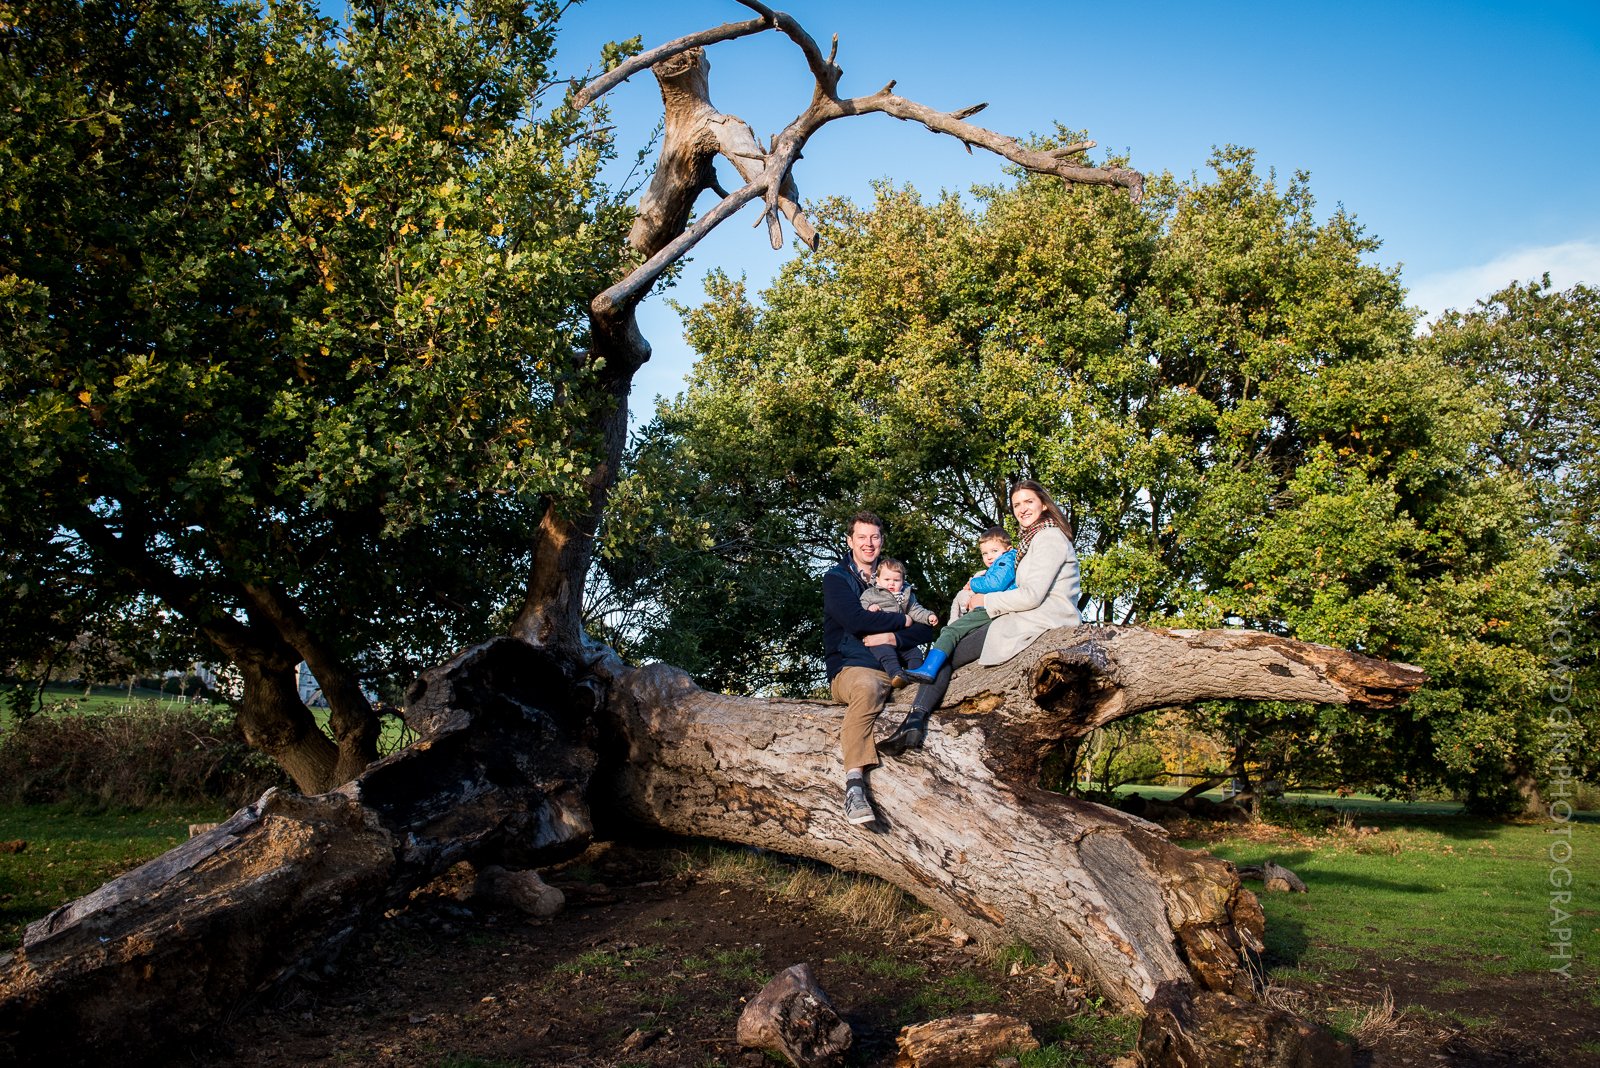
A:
[292,318]
[300,339]
[1224,392]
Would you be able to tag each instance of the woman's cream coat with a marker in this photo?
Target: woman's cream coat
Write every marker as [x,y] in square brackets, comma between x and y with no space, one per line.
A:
[1046,597]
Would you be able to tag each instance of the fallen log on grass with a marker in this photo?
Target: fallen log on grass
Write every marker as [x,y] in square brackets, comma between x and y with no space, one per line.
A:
[506,770]
[163,953]
[965,827]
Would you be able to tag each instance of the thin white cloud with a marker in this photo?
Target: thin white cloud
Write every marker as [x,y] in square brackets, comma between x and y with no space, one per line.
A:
[1568,264]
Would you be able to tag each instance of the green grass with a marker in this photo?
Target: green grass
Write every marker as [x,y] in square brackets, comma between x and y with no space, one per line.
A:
[883,966]
[1090,1038]
[70,853]
[597,962]
[60,698]
[963,991]
[1418,885]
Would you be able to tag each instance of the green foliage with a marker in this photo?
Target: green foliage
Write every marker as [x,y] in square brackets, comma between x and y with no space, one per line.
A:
[1224,393]
[290,310]
[1538,353]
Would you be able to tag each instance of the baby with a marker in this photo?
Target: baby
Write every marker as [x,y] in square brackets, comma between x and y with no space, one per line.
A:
[891,594]
[1000,561]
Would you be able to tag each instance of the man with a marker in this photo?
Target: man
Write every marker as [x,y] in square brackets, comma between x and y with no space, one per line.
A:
[856,679]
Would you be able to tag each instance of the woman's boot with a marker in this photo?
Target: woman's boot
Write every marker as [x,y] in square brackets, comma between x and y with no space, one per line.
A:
[909,735]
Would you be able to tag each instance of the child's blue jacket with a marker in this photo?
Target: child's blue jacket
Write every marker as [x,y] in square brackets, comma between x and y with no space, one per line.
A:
[1002,574]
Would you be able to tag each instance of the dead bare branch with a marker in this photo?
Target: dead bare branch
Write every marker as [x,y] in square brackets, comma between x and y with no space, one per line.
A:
[641,278]
[1007,147]
[645,60]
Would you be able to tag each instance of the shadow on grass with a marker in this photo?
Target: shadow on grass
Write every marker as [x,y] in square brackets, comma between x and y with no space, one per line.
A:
[1304,864]
[1286,943]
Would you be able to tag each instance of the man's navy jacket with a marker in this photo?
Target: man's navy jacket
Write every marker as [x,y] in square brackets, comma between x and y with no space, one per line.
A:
[844,621]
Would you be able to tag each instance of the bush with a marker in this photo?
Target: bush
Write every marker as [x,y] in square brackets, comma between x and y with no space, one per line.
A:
[154,753]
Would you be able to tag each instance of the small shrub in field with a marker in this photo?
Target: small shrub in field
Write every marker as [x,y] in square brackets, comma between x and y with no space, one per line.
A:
[150,754]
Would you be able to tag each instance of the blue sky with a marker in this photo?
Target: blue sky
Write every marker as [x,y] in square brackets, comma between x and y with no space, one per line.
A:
[1464,135]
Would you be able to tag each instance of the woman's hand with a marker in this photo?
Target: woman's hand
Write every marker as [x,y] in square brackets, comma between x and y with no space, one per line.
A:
[976,602]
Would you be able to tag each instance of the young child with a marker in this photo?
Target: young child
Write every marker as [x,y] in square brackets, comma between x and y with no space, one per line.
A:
[1000,561]
[891,594]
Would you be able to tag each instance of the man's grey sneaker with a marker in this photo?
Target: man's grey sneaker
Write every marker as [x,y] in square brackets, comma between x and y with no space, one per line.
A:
[857,809]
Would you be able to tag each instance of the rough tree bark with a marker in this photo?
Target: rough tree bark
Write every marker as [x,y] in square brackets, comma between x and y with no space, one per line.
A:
[966,827]
[511,739]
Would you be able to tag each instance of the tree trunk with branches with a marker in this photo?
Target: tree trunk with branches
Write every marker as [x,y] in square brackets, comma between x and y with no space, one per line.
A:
[512,732]
[515,743]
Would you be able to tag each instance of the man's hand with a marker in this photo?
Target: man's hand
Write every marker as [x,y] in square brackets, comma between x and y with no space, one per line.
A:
[886,638]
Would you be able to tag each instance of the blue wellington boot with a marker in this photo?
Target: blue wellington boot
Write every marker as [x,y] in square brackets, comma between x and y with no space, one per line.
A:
[929,669]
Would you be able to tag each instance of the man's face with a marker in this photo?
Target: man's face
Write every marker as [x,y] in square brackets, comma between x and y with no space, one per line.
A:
[991,550]
[892,581]
[866,542]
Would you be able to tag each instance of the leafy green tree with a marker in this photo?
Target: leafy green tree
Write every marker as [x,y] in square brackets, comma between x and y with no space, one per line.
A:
[1537,351]
[1224,393]
[291,318]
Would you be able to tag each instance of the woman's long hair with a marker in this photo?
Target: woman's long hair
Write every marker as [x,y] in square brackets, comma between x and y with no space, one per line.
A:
[1051,509]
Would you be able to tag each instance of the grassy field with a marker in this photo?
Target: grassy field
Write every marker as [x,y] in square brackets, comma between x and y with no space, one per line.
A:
[1420,879]
[1475,893]
[69,853]
[101,699]
[59,698]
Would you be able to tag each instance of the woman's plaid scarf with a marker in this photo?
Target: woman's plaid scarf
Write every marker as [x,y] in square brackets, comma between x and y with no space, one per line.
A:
[1026,537]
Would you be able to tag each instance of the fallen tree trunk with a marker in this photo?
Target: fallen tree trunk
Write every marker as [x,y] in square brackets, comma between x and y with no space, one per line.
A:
[965,827]
[164,952]
[511,737]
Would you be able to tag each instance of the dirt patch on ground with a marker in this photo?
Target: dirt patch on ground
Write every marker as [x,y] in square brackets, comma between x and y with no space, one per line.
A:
[650,963]
[1443,1012]
[653,958]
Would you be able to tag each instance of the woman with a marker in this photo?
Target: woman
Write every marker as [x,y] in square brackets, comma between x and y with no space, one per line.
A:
[1045,597]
